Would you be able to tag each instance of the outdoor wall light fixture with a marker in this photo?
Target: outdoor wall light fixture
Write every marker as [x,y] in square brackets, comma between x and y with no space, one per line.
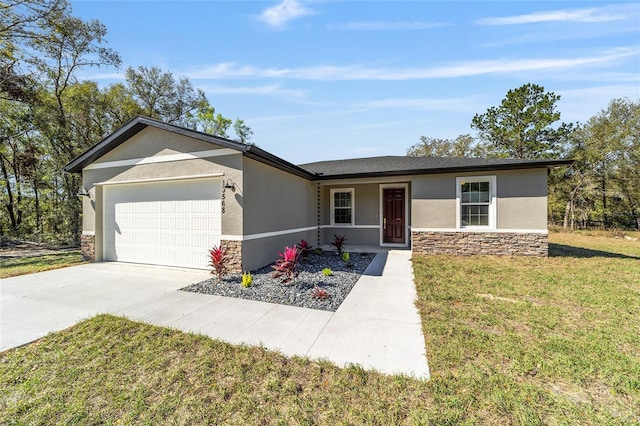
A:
[230,185]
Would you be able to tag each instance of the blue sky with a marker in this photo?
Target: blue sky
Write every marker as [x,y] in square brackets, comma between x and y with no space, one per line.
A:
[320,80]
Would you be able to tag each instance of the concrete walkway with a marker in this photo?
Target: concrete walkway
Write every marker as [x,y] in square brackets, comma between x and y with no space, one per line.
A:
[377,326]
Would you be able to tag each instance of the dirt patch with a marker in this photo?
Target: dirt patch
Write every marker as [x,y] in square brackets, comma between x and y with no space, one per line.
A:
[11,249]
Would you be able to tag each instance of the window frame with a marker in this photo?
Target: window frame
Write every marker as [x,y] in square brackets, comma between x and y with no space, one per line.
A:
[492,201]
[333,207]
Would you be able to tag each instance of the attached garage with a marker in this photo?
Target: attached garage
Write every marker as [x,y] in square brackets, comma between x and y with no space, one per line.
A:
[171,223]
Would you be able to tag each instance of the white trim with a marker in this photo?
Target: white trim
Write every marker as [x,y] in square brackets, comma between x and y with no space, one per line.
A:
[88,232]
[161,179]
[338,225]
[493,205]
[266,234]
[484,230]
[332,206]
[381,189]
[163,158]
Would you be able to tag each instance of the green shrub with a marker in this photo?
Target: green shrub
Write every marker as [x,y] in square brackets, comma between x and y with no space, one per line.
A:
[327,272]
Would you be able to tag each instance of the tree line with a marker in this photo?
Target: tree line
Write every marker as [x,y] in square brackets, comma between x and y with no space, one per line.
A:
[600,189]
[49,115]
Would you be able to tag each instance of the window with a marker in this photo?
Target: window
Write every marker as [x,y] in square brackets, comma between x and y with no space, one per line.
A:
[476,201]
[342,206]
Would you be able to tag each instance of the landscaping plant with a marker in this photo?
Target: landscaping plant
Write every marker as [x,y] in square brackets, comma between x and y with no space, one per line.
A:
[338,243]
[219,260]
[286,266]
[346,256]
[320,293]
[304,248]
[247,279]
[327,272]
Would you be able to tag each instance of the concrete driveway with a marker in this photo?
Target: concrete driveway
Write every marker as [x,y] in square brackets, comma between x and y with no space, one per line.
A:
[377,326]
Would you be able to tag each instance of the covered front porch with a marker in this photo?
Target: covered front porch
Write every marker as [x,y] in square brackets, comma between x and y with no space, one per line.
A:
[372,215]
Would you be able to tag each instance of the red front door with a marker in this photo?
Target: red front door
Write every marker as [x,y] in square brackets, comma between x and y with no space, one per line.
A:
[393,216]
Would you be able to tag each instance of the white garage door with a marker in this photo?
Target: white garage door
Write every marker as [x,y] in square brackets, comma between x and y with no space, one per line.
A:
[171,223]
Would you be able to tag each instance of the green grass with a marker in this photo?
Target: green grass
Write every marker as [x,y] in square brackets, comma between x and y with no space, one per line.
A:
[13,267]
[528,340]
[509,341]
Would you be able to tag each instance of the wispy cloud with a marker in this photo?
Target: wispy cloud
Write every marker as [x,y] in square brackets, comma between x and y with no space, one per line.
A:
[427,104]
[385,26]
[460,69]
[275,90]
[594,14]
[277,16]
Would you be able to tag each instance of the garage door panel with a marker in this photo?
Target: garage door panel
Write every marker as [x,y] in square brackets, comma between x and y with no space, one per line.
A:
[168,223]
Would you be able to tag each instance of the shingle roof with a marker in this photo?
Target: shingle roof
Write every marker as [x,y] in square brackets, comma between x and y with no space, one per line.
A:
[401,165]
[334,169]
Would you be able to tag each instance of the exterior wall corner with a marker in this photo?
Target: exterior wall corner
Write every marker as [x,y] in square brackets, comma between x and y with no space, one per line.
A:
[88,247]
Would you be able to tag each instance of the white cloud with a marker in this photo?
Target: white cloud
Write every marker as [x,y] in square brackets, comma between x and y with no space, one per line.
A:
[460,69]
[427,104]
[385,26]
[277,16]
[577,15]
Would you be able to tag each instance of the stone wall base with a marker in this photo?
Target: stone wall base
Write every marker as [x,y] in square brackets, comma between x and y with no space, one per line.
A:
[234,252]
[480,243]
[88,247]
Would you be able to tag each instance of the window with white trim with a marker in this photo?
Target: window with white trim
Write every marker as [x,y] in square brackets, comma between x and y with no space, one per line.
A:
[342,211]
[476,202]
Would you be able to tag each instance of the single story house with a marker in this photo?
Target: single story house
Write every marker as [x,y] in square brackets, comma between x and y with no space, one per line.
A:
[161,194]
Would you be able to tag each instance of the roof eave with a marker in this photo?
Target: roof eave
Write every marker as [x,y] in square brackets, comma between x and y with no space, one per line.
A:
[457,169]
[131,128]
[267,158]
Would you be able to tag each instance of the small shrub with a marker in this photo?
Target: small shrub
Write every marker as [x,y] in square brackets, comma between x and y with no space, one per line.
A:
[304,248]
[338,243]
[286,266]
[327,272]
[320,293]
[318,251]
[247,280]
[346,256]
[218,260]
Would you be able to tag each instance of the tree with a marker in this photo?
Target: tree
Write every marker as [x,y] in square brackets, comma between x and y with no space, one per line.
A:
[160,96]
[22,22]
[206,120]
[521,126]
[602,186]
[243,132]
[462,146]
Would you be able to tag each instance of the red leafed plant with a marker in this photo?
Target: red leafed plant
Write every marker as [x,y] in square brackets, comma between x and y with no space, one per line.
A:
[304,248]
[338,243]
[218,260]
[285,267]
[320,293]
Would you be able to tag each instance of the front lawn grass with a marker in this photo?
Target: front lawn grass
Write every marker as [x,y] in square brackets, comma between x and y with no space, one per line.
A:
[509,341]
[12,267]
[530,340]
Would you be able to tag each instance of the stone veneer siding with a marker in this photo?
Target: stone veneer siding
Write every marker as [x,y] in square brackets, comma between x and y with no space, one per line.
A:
[480,243]
[88,247]
[234,252]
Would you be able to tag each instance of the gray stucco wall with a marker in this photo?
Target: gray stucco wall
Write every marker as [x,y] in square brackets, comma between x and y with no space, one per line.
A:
[152,142]
[264,251]
[521,199]
[274,201]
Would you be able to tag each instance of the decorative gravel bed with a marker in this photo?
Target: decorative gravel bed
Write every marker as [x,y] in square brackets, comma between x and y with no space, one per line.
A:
[299,292]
